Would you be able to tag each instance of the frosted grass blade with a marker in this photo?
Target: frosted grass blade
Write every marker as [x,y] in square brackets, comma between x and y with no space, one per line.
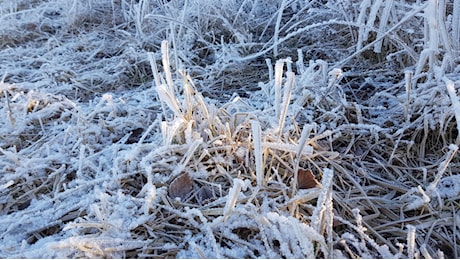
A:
[278,84]
[166,67]
[286,100]
[232,197]
[256,132]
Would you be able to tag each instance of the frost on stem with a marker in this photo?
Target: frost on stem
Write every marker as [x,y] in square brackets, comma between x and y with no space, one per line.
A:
[362,35]
[383,24]
[232,197]
[288,88]
[334,77]
[411,241]
[167,68]
[9,113]
[167,96]
[449,187]
[323,213]
[278,84]
[257,136]
[455,104]
[415,198]
[442,169]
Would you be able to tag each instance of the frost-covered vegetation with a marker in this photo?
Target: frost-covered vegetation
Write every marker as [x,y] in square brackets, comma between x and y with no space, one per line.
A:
[229,129]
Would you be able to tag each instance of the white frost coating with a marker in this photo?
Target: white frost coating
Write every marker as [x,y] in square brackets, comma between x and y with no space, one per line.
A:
[277,28]
[14,157]
[166,68]
[154,68]
[383,24]
[109,98]
[408,83]
[188,155]
[168,97]
[232,197]
[278,83]
[303,138]
[455,103]
[6,185]
[295,238]
[42,147]
[362,35]
[270,69]
[445,35]
[449,187]
[305,195]
[442,168]
[334,76]
[257,136]
[456,25]
[416,201]
[305,244]
[150,194]
[431,12]
[372,16]
[307,149]
[424,251]
[289,86]
[411,241]
[169,130]
[299,63]
[81,159]
[323,213]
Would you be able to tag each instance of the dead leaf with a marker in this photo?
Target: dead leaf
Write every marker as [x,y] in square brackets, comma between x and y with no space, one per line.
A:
[181,187]
[306,179]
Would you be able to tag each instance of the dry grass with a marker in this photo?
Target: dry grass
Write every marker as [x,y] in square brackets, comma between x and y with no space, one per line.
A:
[116,143]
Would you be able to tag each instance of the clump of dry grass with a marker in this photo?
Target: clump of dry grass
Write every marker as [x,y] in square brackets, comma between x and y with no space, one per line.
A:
[109,152]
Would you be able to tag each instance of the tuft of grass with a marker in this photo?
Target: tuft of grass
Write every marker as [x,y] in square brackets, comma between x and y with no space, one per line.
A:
[105,104]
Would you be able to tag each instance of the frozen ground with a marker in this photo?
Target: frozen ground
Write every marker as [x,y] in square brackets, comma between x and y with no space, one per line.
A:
[229,129]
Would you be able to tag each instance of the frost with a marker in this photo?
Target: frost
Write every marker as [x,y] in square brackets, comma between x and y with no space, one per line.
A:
[232,197]
[411,241]
[455,106]
[449,187]
[268,230]
[287,129]
[150,194]
[415,198]
[256,132]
